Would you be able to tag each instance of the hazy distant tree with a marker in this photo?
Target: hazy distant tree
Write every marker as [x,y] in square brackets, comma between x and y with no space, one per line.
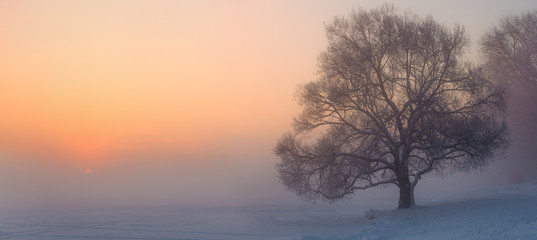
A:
[510,51]
[393,101]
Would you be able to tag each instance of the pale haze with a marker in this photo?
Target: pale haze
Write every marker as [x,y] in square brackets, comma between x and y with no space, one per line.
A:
[159,103]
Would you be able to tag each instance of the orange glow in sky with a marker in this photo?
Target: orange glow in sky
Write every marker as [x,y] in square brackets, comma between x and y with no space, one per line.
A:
[86,77]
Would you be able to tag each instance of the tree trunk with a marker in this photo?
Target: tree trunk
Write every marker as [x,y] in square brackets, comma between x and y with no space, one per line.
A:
[406,192]
[406,189]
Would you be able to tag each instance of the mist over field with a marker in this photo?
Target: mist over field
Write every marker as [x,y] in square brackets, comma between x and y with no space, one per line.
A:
[180,104]
[164,120]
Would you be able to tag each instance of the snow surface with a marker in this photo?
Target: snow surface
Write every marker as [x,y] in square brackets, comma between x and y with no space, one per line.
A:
[507,212]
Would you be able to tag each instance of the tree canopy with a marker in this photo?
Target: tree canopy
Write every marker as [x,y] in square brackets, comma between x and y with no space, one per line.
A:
[510,49]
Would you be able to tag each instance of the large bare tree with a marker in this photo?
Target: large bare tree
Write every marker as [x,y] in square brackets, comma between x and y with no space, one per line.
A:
[393,101]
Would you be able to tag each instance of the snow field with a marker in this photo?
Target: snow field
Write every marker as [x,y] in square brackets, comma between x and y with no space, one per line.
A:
[507,212]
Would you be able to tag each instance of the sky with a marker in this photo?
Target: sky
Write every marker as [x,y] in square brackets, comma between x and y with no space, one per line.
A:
[142,103]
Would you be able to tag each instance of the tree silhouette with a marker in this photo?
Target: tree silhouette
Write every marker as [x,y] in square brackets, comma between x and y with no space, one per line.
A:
[393,102]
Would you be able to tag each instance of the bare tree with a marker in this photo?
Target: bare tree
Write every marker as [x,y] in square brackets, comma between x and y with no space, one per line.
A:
[393,102]
[510,51]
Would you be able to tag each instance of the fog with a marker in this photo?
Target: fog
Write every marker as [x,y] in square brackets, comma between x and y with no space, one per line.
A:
[181,103]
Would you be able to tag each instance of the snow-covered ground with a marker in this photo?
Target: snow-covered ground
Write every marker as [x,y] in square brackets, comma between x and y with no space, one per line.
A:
[507,212]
